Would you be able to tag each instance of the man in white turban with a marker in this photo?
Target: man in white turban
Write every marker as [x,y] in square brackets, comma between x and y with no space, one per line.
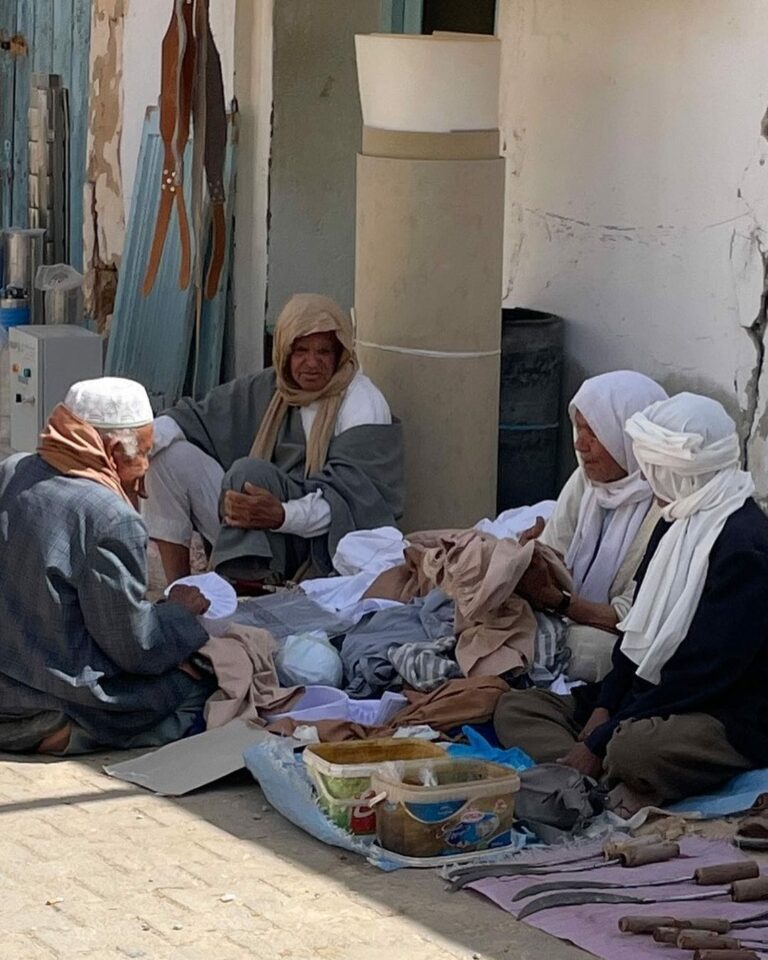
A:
[85,660]
[683,708]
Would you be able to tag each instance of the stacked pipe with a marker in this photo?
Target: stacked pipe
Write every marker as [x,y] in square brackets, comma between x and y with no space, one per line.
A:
[428,277]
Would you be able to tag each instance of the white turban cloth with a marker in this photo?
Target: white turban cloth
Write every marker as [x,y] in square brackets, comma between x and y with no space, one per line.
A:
[110,403]
[610,514]
[688,449]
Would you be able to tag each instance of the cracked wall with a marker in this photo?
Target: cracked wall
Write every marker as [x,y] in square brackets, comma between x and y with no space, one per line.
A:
[637,190]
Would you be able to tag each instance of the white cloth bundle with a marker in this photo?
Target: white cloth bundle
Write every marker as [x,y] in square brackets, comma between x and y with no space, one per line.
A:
[610,514]
[688,449]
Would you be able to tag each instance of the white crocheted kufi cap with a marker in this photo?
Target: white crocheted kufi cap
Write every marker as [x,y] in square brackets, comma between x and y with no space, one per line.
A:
[110,403]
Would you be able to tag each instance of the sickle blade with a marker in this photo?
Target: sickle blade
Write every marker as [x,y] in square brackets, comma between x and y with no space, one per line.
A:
[574,900]
[460,880]
[538,888]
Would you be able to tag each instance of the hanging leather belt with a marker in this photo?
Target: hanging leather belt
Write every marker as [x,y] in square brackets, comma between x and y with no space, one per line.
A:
[191,88]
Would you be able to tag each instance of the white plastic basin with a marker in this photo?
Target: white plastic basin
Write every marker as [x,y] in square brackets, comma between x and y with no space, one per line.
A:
[429,84]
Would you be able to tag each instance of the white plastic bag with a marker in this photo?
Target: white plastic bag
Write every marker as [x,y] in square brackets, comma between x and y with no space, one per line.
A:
[308,659]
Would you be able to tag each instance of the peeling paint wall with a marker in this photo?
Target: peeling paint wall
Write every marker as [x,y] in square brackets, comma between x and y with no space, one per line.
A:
[103,221]
[637,190]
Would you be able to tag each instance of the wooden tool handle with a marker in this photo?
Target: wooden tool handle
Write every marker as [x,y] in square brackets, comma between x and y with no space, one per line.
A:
[725,955]
[743,891]
[612,848]
[654,853]
[649,924]
[705,940]
[711,924]
[720,873]
[666,934]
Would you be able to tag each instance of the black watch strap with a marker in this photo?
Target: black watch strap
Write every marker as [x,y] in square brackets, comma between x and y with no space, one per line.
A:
[562,607]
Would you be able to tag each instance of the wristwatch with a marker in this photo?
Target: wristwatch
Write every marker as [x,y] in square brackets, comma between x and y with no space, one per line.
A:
[562,607]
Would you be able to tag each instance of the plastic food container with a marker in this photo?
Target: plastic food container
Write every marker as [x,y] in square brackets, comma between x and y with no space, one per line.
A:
[342,775]
[467,805]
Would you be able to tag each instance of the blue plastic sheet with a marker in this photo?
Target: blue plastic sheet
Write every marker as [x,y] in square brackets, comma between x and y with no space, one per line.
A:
[736,796]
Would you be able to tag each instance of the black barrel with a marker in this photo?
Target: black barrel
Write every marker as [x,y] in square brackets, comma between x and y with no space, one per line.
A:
[529,421]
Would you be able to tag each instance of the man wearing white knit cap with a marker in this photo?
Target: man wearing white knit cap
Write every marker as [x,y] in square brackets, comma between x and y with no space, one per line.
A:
[85,661]
[684,707]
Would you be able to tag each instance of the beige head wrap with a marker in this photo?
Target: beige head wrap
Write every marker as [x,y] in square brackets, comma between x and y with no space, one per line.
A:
[303,315]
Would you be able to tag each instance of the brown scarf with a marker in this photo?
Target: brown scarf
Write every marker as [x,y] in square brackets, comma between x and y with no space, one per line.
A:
[303,315]
[76,449]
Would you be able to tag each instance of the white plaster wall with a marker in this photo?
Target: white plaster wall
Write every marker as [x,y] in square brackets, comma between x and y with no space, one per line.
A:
[253,89]
[145,24]
[637,196]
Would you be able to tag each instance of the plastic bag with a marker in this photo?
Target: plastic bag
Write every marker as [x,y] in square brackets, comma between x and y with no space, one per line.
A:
[478,748]
[309,659]
[62,286]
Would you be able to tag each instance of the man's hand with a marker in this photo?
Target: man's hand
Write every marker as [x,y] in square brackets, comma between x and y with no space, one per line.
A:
[532,533]
[253,509]
[189,597]
[538,586]
[597,719]
[581,758]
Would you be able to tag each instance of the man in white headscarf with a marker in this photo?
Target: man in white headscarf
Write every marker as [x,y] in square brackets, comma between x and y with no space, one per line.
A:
[683,708]
[85,660]
[602,522]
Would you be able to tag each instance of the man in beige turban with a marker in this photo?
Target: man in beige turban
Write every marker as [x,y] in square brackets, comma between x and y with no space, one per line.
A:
[275,468]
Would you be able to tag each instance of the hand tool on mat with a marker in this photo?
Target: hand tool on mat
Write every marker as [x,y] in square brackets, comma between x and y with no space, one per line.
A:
[647,924]
[740,891]
[627,854]
[726,955]
[715,875]
[704,940]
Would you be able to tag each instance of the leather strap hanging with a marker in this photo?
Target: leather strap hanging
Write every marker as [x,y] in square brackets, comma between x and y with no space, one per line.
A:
[178,56]
[215,150]
[192,89]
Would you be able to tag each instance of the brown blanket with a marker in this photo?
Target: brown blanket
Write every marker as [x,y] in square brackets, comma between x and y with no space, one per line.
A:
[495,628]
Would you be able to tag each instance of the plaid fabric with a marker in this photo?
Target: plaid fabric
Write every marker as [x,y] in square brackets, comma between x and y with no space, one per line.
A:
[77,634]
[550,653]
[425,666]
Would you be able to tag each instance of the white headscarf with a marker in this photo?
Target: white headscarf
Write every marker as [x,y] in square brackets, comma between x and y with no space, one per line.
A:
[688,449]
[610,514]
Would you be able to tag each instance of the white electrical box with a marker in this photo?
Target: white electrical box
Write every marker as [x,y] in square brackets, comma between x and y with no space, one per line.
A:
[45,362]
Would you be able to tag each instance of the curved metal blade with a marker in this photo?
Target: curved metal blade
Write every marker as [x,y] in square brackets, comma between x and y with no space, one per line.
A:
[574,900]
[539,888]
[502,871]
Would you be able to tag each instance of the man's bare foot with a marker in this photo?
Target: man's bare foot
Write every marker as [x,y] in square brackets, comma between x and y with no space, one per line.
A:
[56,742]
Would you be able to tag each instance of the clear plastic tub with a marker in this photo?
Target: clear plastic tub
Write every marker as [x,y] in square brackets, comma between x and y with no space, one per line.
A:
[342,774]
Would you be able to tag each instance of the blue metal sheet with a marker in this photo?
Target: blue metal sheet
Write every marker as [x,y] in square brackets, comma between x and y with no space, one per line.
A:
[25,24]
[58,34]
[206,361]
[150,336]
[7,79]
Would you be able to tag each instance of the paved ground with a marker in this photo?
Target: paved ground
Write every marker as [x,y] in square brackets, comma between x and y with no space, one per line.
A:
[94,868]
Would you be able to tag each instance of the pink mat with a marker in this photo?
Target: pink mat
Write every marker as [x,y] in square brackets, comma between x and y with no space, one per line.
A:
[594,927]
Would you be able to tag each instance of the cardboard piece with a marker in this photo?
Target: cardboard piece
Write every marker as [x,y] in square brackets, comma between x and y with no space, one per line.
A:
[410,145]
[194,762]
